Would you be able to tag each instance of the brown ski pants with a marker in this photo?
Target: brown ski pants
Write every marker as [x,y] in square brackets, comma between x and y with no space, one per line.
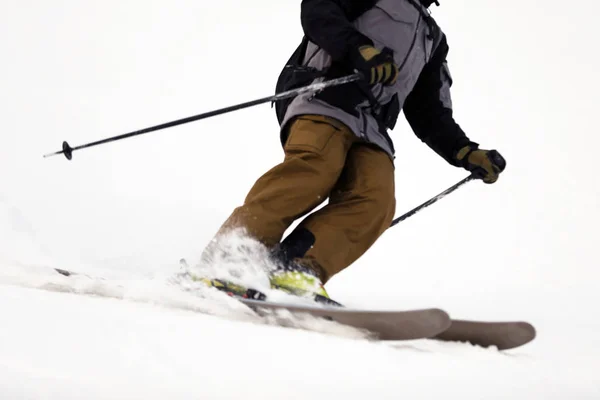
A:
[323,159]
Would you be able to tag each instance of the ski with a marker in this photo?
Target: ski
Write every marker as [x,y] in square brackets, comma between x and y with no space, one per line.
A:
[381,325]
[403,325]
[417,324]
[399,325]
[384,325]
[502,335]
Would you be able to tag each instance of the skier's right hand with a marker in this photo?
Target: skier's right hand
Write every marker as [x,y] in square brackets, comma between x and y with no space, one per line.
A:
[377,66]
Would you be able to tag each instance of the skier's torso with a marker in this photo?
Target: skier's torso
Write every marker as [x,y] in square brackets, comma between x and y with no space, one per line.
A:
[404,27]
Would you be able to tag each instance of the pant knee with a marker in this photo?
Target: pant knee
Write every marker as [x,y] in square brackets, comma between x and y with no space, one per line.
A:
[383,206]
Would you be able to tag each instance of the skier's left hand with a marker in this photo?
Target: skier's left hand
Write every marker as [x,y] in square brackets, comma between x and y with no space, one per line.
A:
[377,66]
[484,164]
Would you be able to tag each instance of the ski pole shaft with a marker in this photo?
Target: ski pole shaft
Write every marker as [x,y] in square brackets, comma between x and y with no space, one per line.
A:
[67,150]
[432,200]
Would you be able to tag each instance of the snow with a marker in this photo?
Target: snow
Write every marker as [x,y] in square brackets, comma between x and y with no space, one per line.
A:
[85,347]
[522,249]
[144,338]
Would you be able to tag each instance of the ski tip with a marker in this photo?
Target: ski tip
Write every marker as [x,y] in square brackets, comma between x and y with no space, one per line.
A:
[502,335]
[441,317]
[528,331]
[521,334]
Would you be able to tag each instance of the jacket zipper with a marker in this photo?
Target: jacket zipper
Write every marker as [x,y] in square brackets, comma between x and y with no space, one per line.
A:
[412,46]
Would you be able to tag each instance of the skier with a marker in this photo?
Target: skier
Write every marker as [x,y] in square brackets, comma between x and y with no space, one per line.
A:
[336,142]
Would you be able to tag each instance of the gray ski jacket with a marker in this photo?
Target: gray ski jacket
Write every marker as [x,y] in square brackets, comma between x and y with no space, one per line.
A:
[334,28]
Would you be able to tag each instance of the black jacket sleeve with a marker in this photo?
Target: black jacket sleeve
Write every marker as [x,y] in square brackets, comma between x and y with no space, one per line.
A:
[428,108]
[328,24]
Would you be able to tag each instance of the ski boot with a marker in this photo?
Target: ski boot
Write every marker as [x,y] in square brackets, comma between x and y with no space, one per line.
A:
[302,281]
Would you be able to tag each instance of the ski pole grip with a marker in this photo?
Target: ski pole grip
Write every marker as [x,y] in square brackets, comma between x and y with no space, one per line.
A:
[497,159]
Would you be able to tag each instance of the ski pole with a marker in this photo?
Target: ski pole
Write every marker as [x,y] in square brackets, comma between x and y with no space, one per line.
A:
[67,150]
[432,200]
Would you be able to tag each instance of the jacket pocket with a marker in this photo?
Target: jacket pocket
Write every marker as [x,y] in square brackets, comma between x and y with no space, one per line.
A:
[311,133]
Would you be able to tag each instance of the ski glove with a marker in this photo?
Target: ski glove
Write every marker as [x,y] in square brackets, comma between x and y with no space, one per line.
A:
[484,164]
[377,66]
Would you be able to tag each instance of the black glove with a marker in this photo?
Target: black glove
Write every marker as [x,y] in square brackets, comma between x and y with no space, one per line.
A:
[484,164]
[377,66]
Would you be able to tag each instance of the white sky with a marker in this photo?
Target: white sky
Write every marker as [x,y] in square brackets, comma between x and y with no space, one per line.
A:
[526,83]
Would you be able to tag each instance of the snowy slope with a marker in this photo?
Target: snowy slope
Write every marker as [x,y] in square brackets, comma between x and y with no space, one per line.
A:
[66,346]
[525,248]
[138,338]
